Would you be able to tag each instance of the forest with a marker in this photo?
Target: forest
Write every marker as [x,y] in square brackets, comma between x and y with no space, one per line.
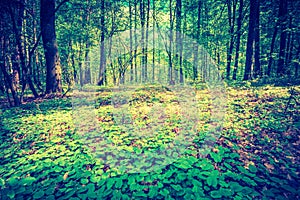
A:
[150,99]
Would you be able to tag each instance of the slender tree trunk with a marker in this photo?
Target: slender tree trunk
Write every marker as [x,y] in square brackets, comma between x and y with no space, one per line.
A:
[269,68]
[257,69]
[283,24]
[102,47]
[87,66]
[7,78]
[147,39]
[231,19]
[250,41]
[196,56]
[179,39]
[238,39]
[153,51]
[130,40]
[171,81]
[289,47]
[135,42]
[142,15]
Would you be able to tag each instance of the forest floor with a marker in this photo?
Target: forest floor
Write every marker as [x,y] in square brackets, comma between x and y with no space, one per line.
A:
[49,150]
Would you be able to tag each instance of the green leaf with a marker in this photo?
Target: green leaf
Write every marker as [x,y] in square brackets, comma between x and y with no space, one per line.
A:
[226,192]
[28,180]
[212,179]
[110,183]
[38,195]
[20,190]
[119,183]
[2,182]
[176,187]
[181,177]
[249,181]
[153,191]
[184,164]
[84,181]
[164,192]
[51,197]
[13,181]
[252,169]
[216,194]
[235,186]
[196,183]
[217,158]
[289,188]
[131,180]
[11,194]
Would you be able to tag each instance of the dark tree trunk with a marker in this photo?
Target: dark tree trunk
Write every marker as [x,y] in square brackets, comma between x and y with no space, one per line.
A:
[283,24]
[171,81]
[196,50]
[102,47]
[130,42]
[179,39]
[231,20]
[257,70]
[53,77]
[250,40]
[146,40]
[269,68]
[238,39]
[153,50]
[87,67]
[135,42]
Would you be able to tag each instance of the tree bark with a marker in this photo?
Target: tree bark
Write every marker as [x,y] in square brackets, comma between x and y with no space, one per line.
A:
[102,47]
[171,80]
[231,21]
[257,69]
[283,36]
[53,77]
[250,41]
[179,39]
[238,39]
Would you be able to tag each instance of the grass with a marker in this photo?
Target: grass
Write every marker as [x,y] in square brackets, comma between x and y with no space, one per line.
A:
[47,152]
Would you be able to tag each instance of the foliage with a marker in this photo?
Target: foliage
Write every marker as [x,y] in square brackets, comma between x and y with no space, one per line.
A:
[256,157]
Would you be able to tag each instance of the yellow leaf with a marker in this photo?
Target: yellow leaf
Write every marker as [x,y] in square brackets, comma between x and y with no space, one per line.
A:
[66,175]
[269,166]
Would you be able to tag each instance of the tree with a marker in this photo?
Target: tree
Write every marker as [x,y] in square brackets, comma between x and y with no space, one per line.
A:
[102,45]
[238,39]
[250,40]
[179,39]
[53,76]
[257,70]
[231,7]
[283,35]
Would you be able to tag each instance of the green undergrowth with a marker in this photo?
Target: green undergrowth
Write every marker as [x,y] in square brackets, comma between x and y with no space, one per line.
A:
[43,155]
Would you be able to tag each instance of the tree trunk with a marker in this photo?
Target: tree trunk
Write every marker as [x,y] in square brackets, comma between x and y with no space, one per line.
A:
[153,50]
[257,70]
[53,77]
[135,42]
[250,41]
[231,21]
[196,56]
[102,47]
[269,68]
[283,25]
[179,39]
[147,38]
[238,39]
[171,81]
[130,40]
